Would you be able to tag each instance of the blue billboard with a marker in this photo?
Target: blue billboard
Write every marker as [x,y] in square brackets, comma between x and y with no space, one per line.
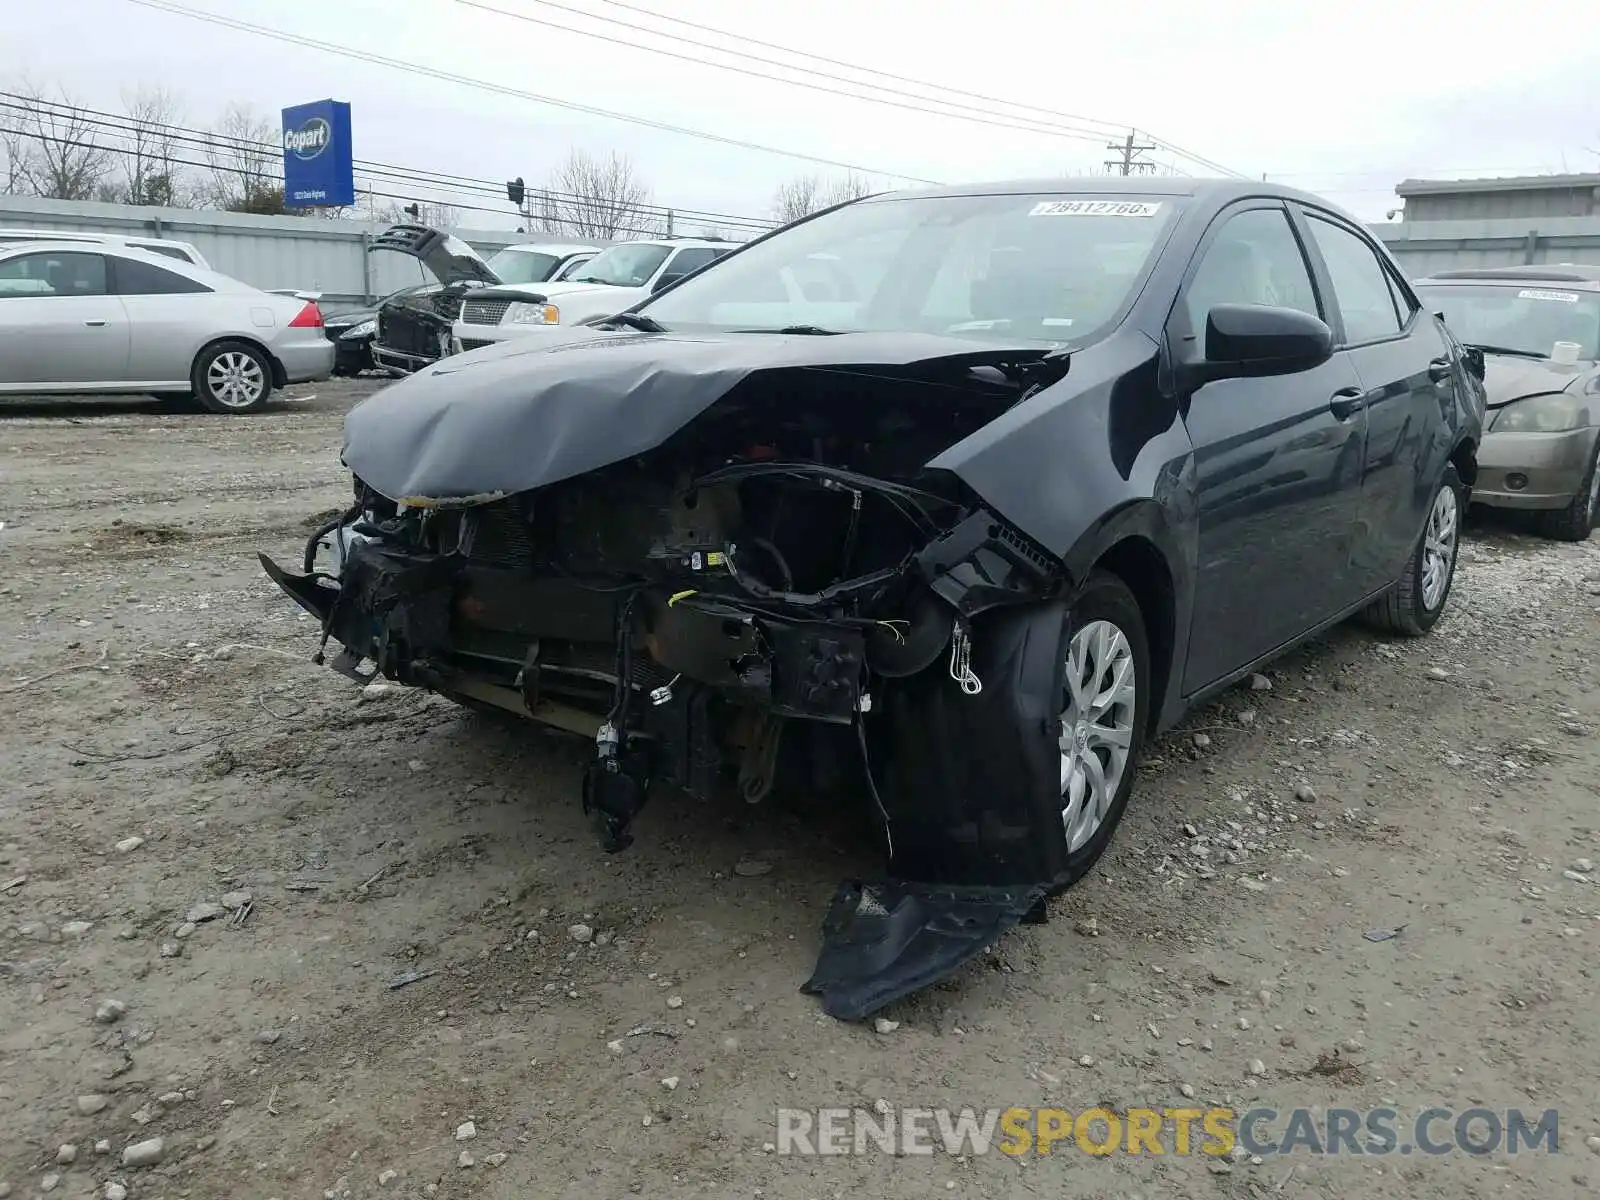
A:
[318,166]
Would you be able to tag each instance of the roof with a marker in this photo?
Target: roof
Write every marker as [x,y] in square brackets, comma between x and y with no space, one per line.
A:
[1565,273]
[1508,183]
[86,235]
[1215,190]
[114,248]
[562,248]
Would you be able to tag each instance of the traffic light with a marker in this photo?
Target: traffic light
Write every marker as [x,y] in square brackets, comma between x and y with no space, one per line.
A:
[515,191]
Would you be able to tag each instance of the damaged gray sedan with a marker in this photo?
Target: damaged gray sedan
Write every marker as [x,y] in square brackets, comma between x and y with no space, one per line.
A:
[949,499]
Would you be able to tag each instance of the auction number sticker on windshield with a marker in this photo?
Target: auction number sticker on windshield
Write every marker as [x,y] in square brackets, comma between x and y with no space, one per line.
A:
[1095,208]
[1541,294]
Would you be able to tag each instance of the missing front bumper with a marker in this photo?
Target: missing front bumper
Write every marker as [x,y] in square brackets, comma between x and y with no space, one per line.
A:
[965,781]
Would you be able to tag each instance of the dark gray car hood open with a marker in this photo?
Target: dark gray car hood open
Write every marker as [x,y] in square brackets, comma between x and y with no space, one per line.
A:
[1508,377]
[547,407]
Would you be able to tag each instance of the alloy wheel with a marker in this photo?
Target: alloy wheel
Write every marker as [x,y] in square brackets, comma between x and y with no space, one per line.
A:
[1096,727]
[236,379]
[1439,546]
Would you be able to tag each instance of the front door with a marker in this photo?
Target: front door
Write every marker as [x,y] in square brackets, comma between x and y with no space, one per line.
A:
[1404,364]
[58,324]
[1278,460]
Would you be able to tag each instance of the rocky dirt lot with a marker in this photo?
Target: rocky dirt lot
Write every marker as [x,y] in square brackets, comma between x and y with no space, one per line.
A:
[217,862]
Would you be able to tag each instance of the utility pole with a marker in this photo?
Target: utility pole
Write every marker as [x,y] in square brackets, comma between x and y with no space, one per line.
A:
[1126,163]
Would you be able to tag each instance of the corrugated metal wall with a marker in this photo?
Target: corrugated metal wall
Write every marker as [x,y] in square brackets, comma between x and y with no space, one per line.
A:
[330,256]
[1489,204]
[1422,247]
[268,252]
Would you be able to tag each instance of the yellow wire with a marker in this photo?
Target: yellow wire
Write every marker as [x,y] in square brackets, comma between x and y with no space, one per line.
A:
[676,596]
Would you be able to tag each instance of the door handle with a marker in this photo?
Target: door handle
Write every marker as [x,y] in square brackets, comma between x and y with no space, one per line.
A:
[94,324]
[1347,402]
[1439,370]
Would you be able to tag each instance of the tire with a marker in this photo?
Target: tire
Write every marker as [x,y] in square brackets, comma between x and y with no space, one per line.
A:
[1405,607]
[232,378]
[1104,628]
[1574,522]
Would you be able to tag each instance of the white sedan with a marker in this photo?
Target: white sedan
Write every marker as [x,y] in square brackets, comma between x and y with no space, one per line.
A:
[75,319]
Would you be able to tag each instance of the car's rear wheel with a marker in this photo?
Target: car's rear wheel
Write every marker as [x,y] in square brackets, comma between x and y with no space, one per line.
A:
[1416,601]
[232,377]
[1105,696]
[1575,522]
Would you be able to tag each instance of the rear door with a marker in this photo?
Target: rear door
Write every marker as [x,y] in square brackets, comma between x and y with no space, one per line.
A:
[1404,363]
[169,317]
[59,324]
[1277,459]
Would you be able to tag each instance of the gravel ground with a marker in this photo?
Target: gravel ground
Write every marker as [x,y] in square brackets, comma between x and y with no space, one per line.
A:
[171,752]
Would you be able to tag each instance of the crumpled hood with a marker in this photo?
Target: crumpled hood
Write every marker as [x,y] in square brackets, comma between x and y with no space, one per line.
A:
[533,411]
[1508,377]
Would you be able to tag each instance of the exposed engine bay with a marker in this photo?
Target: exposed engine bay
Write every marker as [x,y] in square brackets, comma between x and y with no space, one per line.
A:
[781,570]
[414,330]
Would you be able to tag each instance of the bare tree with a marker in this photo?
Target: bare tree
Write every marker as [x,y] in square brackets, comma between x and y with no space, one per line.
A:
[13,144]
[151,173]
[806,194]
[388,211]
[797,198]
[593,197]
[246,175]
[53,149]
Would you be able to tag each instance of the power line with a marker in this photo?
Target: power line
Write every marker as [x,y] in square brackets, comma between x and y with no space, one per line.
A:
[977,115]
[262,174]
[1200,160]
[246,173]
[505,90]
[207,140]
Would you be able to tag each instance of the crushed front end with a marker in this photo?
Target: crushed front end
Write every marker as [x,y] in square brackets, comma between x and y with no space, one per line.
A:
[779,571]
[414,330]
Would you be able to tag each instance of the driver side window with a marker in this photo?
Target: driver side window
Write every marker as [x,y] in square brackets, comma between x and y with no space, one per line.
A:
[1254,258]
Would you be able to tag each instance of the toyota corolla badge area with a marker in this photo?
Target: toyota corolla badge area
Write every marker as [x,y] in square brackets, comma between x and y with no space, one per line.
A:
[952,543]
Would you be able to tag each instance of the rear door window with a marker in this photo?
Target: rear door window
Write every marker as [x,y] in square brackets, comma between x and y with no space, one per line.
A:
[146,279]
[1361,285]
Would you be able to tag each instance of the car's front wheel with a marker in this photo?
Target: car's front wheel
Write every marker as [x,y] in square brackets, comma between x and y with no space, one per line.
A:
[1105,696]
[232,377]
[1415,602]
[1582,513]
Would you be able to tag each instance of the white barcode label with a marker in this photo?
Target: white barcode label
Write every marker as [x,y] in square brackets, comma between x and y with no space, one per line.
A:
[1095,208]
[1541,294]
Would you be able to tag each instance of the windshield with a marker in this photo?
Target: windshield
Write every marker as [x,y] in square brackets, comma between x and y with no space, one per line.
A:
[628,265]
[1529,320]
[1053,268]
[512,265]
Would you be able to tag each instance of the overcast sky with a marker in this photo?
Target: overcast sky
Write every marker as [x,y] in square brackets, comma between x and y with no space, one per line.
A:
[1342,99]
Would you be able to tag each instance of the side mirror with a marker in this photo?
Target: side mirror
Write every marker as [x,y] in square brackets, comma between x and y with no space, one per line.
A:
[666,281]
[1252,340]
[1472,359]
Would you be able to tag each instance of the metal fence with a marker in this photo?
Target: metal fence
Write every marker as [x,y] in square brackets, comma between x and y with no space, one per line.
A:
[1422,247]
[268,252]
[331,256]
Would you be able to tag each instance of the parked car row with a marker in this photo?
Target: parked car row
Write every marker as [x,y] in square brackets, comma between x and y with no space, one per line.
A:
[943,503]
[520,289]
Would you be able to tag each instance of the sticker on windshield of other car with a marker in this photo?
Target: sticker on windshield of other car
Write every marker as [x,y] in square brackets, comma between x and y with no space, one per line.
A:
[1541,294]
[1095,208]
